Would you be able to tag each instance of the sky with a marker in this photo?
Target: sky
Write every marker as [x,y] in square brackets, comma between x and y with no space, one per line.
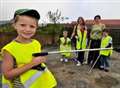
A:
[108,9]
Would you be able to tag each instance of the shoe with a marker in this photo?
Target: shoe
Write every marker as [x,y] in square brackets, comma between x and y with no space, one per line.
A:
[101,68]
[78,63]
[106,70]
[85,62]
[61,59]
[66,60]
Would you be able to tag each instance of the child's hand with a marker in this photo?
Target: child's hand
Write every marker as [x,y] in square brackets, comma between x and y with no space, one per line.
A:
[38,60]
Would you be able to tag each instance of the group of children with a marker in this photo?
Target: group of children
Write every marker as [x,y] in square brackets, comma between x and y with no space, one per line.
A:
[65,45]
[20,69]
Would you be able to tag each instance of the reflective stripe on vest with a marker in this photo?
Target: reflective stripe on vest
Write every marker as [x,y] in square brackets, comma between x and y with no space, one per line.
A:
[28,83]
[82,40]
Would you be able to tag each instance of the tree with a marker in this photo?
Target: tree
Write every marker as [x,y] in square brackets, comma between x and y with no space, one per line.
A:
[55,18]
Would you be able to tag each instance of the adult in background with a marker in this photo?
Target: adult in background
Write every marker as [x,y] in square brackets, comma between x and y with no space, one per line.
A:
[80,33]
[95,40]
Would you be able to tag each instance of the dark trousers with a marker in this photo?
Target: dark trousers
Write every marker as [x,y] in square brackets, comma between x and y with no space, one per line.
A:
[74,42]
[94,54]
[81,57]
[104,61]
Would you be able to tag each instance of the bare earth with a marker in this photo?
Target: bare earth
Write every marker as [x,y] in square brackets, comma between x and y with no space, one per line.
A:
[68,75]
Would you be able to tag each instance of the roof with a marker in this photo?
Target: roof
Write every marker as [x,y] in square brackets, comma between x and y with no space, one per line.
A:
[112,22]
[105,21]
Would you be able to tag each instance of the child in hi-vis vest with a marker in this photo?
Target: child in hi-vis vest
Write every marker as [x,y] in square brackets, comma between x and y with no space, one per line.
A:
[20,69]
[105,54]
[65,45]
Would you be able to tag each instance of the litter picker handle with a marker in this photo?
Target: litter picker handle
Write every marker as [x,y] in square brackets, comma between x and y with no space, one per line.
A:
[39,67]
[40,54]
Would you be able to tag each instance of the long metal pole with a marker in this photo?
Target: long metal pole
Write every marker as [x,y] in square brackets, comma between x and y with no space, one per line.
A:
[67,51]
[56,52]
[87,53]
[94,64]
[96,49]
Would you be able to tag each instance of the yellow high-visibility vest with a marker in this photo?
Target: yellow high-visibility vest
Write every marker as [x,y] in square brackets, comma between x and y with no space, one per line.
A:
[65,47]
[31,78]
[105,41]
[82,40]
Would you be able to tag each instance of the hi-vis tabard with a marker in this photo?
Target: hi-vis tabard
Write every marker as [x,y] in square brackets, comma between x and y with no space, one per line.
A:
[32,78]
[81,40]
[65,47]
[105,41]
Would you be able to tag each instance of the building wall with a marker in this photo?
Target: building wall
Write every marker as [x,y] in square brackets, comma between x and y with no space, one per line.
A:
[48,39]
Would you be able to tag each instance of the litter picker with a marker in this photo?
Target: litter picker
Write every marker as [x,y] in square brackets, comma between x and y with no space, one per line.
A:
[67,51]
[57,52]
[94,64]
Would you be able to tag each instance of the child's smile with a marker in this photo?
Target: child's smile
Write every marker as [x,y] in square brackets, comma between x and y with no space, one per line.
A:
[26,27]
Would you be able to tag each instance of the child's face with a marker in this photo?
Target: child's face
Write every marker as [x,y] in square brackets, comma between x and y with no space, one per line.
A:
[25,26]
[65,33]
